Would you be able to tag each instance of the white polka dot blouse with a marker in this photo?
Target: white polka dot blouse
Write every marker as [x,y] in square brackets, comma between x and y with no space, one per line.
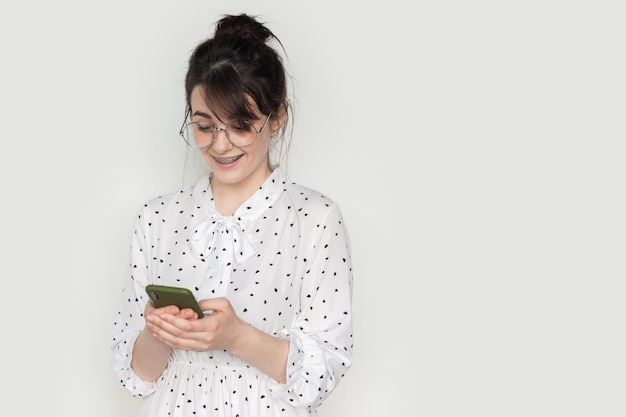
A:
[283,261]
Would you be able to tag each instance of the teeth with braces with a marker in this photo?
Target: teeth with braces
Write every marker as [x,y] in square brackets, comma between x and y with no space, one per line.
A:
[227,160]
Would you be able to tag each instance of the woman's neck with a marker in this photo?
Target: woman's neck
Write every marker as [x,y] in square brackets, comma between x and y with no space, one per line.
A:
[229,197]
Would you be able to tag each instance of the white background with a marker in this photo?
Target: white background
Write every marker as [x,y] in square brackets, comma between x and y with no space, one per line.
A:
[477,149]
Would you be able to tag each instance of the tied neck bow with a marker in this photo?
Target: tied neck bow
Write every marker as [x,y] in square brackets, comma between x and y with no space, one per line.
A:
[223,233]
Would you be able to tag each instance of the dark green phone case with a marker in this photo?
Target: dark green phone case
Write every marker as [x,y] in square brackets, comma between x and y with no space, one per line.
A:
[162,295]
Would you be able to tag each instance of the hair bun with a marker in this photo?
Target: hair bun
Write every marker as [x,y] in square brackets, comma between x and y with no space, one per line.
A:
[242,26]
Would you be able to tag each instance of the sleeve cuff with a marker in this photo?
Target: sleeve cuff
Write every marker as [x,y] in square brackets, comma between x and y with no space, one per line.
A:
[307,378]
[128,378]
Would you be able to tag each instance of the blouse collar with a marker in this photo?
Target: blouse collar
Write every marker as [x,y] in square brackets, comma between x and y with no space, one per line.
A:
[214,227]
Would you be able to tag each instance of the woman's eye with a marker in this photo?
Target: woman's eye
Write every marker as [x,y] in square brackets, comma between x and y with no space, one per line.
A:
[240,127]
[204,128]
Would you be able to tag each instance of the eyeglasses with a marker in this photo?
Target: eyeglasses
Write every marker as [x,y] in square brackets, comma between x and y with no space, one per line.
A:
[202,134]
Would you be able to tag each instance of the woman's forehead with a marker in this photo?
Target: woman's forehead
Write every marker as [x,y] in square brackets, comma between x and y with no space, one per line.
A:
[202,105]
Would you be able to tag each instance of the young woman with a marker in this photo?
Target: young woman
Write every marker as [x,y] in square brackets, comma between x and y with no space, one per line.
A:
[268,260]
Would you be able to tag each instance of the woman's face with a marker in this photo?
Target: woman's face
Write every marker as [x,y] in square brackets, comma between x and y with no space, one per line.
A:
[239,167]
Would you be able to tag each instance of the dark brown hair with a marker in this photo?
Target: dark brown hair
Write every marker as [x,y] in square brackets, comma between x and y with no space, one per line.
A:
[237,64]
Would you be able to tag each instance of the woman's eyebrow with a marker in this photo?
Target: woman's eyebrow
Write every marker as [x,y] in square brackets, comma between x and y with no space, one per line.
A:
[202,114]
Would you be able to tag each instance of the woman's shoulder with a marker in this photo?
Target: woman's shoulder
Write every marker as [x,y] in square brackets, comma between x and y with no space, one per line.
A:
[182,197]
[309,201]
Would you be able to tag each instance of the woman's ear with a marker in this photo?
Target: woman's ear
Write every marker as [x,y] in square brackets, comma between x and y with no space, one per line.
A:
[279,120]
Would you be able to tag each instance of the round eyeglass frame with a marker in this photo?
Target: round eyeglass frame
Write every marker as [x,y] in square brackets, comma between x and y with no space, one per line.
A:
[183,132]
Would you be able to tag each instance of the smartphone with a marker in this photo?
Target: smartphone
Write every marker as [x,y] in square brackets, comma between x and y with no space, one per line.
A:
[163,295]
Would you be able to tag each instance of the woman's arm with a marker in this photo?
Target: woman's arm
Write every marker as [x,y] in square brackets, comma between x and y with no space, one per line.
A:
[149,356]
[222,329]
[263,351]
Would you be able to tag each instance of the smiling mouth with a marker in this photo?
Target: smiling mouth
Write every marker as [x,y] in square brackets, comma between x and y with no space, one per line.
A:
[226,161]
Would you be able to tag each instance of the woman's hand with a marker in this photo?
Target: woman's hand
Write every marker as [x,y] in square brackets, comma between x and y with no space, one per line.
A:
[222,329]
[172,310]
[181,329]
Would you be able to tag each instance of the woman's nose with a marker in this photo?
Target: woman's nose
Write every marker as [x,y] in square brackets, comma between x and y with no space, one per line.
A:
[221,143]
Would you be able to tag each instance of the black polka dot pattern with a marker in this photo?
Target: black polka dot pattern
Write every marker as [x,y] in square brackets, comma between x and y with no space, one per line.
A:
[283,261]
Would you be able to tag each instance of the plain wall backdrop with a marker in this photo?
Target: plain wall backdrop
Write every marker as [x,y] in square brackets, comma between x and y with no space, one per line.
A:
[477,150]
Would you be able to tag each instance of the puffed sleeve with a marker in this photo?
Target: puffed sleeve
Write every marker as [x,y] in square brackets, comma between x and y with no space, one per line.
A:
[321,340]
[129,321]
